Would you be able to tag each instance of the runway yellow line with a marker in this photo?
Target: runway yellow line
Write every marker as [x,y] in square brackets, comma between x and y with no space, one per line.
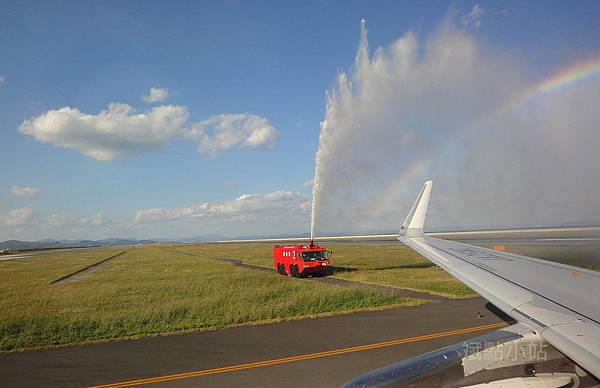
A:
[310,356]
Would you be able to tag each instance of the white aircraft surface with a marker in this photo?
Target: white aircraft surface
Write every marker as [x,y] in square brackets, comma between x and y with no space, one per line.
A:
[554,342]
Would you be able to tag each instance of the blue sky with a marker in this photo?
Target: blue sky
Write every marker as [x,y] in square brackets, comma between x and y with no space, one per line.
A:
[270,63]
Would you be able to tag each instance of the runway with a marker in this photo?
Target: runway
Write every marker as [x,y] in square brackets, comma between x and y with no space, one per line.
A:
[183,360]
[16,256]
[39,252]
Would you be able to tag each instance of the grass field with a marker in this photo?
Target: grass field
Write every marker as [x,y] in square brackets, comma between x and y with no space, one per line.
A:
[154,290]
[399,266]
[388,264]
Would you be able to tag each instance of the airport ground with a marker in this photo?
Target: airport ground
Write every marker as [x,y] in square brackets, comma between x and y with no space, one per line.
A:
[231,320]
[115,293]
[252,355]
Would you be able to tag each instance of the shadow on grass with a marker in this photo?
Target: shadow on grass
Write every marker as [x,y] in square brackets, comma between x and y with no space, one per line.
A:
[335,269]
[404,266]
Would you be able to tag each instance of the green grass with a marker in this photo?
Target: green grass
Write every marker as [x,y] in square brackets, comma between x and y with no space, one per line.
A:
[395,265]
[431,280]
[252,253]
[152,291]
[387,264]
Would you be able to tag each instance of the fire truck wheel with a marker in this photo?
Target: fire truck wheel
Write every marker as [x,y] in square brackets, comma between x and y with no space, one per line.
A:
[294,271]
[281,269]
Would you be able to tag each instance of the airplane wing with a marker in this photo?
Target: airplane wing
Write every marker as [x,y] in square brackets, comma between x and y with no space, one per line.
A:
[559,302]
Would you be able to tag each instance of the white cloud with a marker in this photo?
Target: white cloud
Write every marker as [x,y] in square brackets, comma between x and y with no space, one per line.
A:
[249,214]
[120,130]
[222,132]
[32,225]
[244,207]
[309,183]
[232,183]
[2,79]
[56,220]
[474,16]
[114,132]
[96,220]
[155,95]
[20,217]
[21,191]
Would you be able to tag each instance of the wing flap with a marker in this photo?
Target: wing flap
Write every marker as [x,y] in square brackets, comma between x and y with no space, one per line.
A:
[579,341]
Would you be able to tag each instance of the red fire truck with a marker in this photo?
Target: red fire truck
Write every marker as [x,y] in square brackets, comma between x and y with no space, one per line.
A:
[301,260]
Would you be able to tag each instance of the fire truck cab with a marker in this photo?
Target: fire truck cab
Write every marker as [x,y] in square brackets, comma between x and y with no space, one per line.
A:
[301,260]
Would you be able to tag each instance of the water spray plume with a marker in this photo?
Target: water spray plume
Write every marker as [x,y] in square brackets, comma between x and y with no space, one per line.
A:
[315,188]
[361,57]
[448,107]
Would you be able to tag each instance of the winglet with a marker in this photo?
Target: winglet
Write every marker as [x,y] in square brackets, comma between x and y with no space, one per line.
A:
[413,224]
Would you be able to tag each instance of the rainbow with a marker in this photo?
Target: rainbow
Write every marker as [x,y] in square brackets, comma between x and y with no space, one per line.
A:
[563,79]
[384,199]
[558,81]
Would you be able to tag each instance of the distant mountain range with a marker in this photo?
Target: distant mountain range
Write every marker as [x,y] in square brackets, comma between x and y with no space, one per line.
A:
[48,243]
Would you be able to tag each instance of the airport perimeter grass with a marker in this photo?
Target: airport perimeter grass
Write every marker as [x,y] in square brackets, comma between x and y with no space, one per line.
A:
[393,264]
[152,291]
[388,264]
